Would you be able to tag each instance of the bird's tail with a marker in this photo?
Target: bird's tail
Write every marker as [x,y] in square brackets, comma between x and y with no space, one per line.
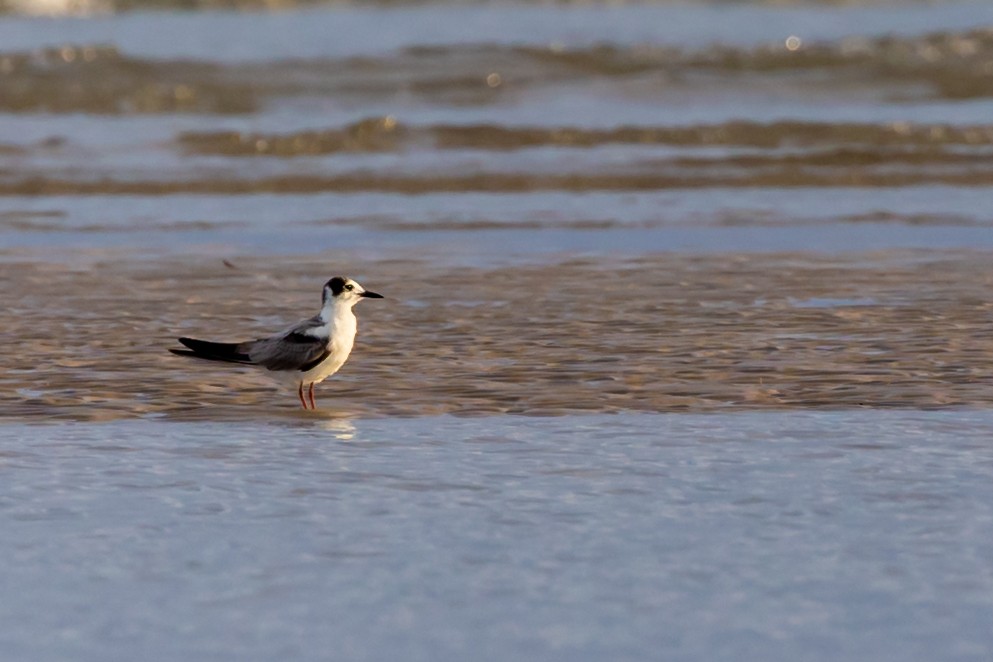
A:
[214,351]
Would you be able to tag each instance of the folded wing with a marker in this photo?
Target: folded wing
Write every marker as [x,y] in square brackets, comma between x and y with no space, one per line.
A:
[294,351]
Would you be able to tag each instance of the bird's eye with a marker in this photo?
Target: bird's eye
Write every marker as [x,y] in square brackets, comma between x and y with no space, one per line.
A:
[349,287]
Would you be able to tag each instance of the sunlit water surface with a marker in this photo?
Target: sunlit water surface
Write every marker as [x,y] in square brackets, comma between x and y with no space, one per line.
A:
[764,536]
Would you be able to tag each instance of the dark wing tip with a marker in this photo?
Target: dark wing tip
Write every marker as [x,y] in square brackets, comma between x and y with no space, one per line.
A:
[214,351]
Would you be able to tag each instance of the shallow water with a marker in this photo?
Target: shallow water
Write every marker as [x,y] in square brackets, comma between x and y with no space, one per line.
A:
[763,536]
[179,124]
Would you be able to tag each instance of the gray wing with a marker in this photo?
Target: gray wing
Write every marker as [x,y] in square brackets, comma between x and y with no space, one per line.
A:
[294,350]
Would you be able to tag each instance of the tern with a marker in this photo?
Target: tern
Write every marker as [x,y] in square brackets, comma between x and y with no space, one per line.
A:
[306,353]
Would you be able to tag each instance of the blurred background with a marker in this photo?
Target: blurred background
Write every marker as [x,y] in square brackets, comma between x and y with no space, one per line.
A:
[481,131]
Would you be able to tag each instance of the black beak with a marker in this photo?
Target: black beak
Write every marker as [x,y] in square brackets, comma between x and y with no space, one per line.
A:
[371,295]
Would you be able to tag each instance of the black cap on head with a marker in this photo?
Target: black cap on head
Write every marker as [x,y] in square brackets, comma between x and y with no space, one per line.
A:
[337,285]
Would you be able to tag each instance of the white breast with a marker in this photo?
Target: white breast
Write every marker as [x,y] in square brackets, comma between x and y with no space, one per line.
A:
[342,337]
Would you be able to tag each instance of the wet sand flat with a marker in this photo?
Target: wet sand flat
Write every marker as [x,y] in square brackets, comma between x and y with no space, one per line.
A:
[658,333]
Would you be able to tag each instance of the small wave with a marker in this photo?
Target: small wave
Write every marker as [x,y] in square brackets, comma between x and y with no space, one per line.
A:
[952,65]
[386,134]
[777,175]
[957,220]
[99,79]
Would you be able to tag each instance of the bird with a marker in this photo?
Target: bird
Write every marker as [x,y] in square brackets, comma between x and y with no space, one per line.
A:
[304,354]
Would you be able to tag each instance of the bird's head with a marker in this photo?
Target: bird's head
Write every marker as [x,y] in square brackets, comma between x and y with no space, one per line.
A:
[344,291]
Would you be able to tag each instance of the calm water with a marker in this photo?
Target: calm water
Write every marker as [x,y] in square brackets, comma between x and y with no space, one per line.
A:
[686,353]
[816,536]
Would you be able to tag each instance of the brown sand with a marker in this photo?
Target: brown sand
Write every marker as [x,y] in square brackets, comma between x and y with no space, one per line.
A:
[660,333]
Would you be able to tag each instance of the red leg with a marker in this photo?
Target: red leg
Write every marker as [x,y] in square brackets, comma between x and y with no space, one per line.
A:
[300,393]
[313,405]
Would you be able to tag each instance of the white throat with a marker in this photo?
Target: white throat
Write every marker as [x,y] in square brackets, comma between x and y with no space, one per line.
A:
[341,322]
